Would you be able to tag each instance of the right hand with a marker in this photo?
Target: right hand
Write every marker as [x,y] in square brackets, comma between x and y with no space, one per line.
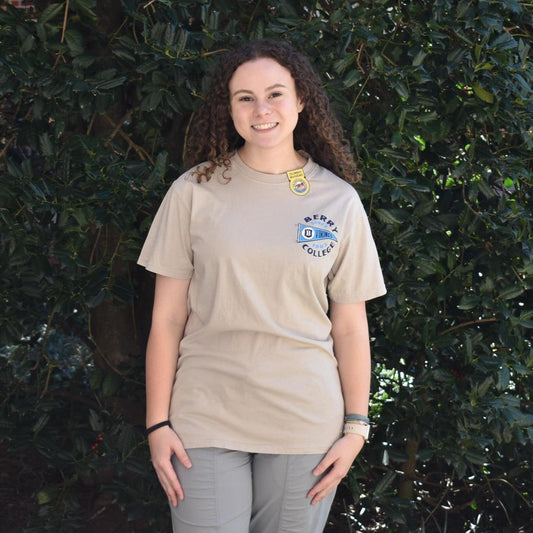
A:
[163,444]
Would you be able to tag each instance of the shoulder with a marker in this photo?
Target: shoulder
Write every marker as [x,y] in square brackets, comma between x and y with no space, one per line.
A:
[333,180]
[336,186]
[208,172]
[193,178]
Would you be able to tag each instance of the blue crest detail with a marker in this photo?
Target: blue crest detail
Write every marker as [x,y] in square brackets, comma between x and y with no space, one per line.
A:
[312,233]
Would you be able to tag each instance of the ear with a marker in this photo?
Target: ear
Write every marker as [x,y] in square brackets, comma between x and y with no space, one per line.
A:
[301,105]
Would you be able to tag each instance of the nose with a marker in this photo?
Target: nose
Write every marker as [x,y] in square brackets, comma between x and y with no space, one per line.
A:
[262,107]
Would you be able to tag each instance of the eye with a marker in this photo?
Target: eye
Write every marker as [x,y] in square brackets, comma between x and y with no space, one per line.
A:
[276,94]
[245,98]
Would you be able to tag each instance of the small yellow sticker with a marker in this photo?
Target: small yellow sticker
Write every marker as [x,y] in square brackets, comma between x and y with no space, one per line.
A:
[298,182]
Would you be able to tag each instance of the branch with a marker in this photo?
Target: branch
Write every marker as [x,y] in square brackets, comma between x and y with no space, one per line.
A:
[469,323]
[65,18]
[141,152]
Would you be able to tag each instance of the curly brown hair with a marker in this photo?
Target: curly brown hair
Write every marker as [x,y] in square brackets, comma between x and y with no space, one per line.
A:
[213,137]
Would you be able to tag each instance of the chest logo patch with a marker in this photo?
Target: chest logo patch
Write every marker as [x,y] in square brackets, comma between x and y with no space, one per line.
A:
[317,235]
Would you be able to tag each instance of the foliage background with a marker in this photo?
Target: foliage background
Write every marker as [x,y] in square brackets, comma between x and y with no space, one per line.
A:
[96,98]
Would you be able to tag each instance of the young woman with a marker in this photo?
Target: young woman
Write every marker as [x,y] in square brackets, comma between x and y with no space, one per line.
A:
[258,361]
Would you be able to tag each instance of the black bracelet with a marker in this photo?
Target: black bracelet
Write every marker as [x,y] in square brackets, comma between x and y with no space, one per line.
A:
[157,426]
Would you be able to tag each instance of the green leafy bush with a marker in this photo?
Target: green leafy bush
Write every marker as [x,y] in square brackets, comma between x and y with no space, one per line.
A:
[96,99]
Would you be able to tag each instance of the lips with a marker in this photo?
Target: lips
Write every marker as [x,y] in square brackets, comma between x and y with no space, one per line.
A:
[267,126]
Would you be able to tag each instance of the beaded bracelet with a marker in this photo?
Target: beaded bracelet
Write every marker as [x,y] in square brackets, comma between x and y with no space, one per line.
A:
[356,418]
[157,426]
[357,429]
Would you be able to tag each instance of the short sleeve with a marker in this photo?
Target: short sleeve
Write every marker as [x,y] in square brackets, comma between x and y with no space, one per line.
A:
[167,248]
[356,274]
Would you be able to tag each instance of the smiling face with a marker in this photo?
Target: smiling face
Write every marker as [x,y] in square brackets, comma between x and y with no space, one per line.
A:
[264,105]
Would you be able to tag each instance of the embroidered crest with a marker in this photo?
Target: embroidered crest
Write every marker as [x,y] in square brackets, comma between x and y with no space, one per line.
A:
[311,234]
[318,235]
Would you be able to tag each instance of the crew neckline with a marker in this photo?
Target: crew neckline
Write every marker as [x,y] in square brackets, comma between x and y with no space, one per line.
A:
[264,177]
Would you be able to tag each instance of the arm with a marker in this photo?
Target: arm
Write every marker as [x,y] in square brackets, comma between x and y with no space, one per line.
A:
[168,322]
[352,350]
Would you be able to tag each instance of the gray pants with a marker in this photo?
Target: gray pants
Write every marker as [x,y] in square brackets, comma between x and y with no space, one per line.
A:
[237,492]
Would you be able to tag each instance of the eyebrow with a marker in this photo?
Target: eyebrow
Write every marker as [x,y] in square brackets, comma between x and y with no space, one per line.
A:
[269,88]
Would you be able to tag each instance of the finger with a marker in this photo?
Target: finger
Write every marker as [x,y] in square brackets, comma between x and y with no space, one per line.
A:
[326,462]
[169,480]
[318,489]
[325,486]
[171,485]
[182,456]
[320,494]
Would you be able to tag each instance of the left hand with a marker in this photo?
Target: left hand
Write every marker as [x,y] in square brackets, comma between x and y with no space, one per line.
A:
[338,460]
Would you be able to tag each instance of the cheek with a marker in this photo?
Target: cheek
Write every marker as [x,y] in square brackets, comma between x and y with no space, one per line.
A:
[238,120]
[292,107]
[236,116]
[236,112]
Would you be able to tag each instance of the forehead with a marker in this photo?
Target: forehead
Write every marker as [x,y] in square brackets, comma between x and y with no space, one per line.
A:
[259,74]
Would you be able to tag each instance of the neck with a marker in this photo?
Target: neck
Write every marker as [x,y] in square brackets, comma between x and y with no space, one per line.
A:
[273,161]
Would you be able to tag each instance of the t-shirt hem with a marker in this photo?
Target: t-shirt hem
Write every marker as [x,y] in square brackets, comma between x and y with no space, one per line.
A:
[355,298]
[168,272]
[250,447]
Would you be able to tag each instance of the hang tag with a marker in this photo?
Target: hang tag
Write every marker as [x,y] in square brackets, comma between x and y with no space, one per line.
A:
[298,183]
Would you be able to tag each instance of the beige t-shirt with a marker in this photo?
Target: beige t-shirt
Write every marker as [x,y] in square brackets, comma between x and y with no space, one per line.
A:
[256,370]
